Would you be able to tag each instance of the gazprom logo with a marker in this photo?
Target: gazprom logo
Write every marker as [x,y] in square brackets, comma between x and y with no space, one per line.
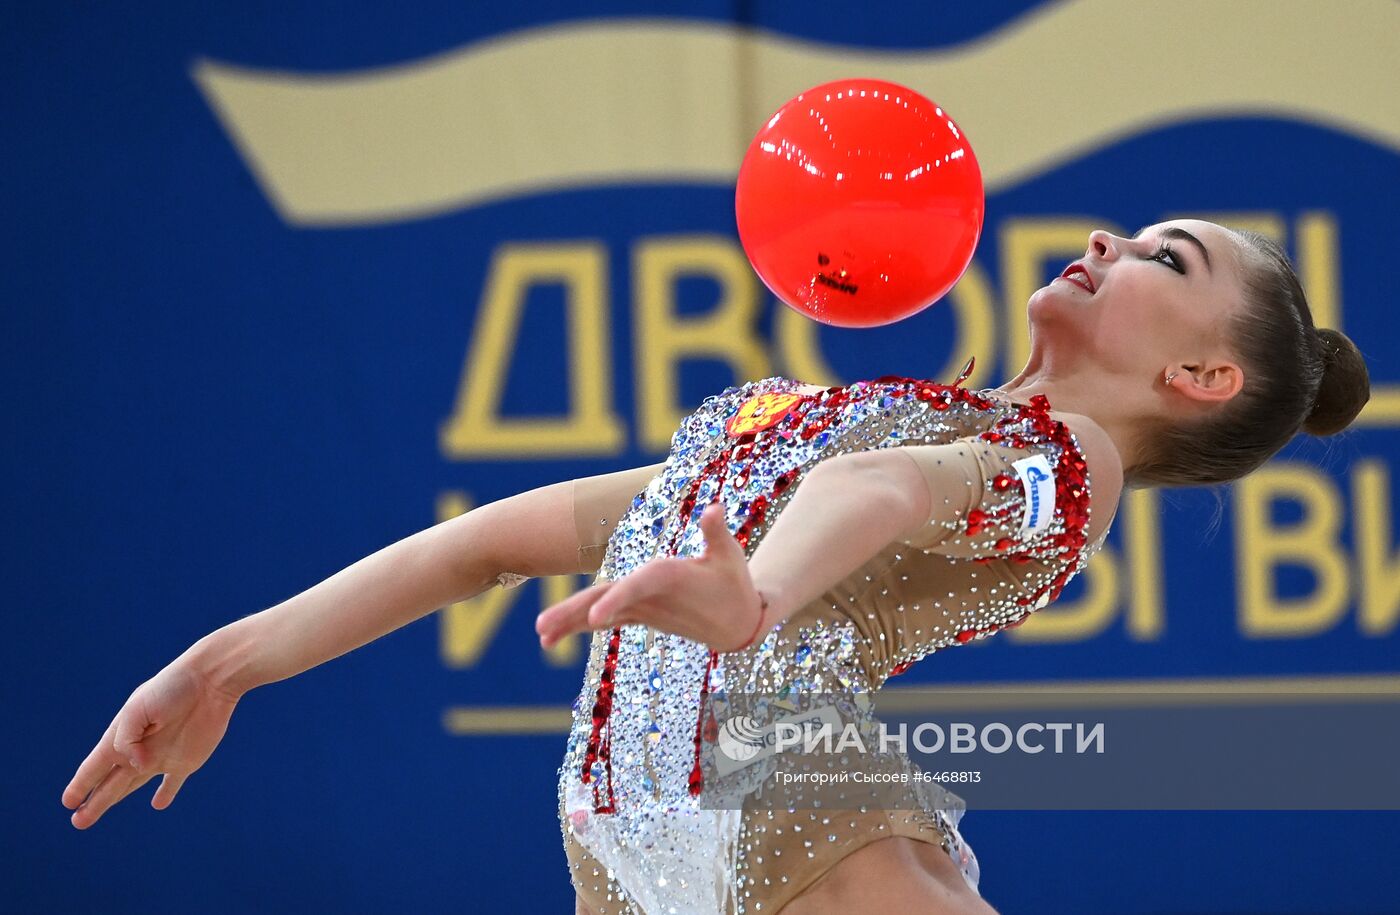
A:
[1038,480]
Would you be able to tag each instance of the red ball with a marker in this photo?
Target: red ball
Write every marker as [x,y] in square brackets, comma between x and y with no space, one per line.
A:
[859,203]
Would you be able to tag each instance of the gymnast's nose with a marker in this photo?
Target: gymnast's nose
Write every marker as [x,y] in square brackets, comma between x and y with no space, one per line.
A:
[1104,245]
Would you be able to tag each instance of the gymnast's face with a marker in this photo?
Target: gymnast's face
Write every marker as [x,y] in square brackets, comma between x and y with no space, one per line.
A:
[1157,302]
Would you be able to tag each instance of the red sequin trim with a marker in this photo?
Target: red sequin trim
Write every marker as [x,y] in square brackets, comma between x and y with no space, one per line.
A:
[745,449]
[1071,479]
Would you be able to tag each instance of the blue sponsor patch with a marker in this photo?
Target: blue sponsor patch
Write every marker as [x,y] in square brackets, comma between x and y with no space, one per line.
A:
[1038,479]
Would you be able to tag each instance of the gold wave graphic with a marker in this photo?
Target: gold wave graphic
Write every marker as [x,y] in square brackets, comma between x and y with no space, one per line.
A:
[637,101]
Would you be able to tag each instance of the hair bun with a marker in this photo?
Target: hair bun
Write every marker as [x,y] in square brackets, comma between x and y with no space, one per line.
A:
[1345,387]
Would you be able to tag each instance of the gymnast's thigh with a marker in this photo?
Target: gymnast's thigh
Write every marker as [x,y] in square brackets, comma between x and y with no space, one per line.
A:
[893,874]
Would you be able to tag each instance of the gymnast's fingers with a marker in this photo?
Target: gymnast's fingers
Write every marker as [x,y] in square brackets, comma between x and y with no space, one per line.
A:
[169,787]
[642,595]
[719,542]
[93,769]
[119,782]
[569,615]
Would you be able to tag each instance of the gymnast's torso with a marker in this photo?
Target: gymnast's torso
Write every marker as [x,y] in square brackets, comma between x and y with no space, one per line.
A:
[638,832]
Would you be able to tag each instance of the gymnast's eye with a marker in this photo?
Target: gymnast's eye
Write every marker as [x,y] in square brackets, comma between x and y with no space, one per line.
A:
[1166,255]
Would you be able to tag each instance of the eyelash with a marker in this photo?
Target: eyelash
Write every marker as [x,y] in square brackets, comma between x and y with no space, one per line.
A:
[1175,261]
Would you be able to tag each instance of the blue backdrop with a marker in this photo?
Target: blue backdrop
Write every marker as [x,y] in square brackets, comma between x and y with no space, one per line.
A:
[262,276]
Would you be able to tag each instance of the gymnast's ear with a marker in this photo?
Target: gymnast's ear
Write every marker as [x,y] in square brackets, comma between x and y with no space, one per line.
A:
[1212,382]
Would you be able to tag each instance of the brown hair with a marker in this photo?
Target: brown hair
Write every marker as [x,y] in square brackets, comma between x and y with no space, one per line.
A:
[1297,378]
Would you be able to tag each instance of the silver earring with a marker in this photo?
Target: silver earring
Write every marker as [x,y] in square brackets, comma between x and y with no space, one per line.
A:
[1170,376]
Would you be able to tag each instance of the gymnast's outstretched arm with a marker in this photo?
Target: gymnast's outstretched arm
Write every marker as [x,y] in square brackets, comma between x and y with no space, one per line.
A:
[532,534]
[172,723]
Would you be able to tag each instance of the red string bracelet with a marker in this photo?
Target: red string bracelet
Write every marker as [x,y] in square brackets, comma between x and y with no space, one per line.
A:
[758,624]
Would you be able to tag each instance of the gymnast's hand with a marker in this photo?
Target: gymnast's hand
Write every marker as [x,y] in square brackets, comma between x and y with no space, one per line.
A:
[170,724]
[709,599]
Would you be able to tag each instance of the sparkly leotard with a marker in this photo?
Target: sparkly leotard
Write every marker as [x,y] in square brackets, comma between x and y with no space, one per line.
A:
[999,545]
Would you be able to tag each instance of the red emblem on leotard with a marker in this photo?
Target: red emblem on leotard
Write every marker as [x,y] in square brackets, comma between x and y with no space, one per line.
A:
[761,411]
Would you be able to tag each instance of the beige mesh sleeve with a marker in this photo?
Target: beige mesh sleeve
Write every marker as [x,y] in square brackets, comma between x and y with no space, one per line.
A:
[599,502]
[986,499]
